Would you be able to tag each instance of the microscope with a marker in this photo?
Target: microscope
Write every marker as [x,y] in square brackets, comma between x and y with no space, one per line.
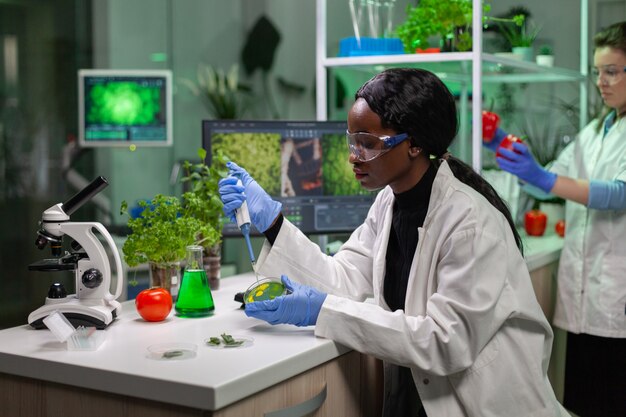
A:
[92,305]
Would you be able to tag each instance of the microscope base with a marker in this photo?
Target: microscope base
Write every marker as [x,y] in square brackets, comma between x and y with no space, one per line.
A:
[79,314]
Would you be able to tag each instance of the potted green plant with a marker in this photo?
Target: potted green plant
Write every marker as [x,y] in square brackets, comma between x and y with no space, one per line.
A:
[521,37]
[450,20]
[221,91]
[545,56]
[202,202]
[159,237]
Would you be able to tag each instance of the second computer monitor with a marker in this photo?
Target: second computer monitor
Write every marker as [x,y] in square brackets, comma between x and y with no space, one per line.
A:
[304,165]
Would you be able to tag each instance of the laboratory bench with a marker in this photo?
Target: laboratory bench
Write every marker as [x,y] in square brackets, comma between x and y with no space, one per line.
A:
[284,371]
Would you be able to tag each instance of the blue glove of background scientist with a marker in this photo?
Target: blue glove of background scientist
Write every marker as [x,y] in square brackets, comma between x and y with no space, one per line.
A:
[520,162]
[497,139]
[263,210]
[301,307]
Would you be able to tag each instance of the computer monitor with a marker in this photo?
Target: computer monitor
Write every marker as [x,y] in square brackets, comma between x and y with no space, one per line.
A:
[304,165]
[124,107]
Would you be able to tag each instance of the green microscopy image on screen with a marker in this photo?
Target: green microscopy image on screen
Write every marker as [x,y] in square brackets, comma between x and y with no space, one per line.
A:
[336,170]
[124,103]
[257,153]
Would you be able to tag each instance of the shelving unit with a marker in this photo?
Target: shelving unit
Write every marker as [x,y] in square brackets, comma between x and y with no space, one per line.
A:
[468,69]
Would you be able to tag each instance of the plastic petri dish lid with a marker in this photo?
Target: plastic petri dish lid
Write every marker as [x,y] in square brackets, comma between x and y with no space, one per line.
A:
[265,289]
[172,351]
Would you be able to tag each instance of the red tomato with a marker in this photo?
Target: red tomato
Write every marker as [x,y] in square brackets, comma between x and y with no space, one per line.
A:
[154,304]
[535,222]
[507,143]
[559,227]
[490,124]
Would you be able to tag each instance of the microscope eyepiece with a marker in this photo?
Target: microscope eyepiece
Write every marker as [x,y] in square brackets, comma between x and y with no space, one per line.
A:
[84,195]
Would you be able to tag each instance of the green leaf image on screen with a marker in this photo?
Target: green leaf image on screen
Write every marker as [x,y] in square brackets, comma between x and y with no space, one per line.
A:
[257,153]
[124,103]
[336,170]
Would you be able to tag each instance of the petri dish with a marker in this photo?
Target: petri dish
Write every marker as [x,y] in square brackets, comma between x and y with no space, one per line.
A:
[264,289]
[172,351]
[241,342]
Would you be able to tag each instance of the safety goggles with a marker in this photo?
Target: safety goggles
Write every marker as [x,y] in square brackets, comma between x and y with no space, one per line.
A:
[608,74]
[366,146]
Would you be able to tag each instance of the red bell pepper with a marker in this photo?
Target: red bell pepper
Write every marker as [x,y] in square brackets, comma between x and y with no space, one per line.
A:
[507,143]
[490,124]
[535,222]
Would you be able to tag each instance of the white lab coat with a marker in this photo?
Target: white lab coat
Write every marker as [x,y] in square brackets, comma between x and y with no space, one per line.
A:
[591,291]
[473,333]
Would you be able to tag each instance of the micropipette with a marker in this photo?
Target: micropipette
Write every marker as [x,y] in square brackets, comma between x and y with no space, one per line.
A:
[243,222]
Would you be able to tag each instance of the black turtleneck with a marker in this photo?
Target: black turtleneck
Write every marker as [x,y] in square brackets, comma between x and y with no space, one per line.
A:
[409,211]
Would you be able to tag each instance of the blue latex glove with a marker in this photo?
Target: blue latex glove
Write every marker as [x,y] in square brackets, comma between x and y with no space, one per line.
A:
[497,139]
[263,210]
[301,307]
[522,164]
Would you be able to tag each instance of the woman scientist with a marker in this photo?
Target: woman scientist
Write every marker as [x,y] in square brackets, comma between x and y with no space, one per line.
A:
[590,174]
[455,318]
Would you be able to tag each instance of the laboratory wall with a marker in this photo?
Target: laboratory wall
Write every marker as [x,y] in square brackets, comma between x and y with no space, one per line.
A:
[43,44]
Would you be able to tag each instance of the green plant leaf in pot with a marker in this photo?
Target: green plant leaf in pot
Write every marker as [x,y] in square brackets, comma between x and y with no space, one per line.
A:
[451,20]
[161,233]
[202,201]
[518,34]
[545,50]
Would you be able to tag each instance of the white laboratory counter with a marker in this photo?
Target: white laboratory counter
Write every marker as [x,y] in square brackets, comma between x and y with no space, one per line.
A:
[541,251]
[215,378]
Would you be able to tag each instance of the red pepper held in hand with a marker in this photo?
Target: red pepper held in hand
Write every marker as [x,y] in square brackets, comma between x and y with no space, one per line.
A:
[507,143]
[490,124]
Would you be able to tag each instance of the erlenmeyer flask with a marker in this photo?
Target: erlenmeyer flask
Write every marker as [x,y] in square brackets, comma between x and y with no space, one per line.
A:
[194,296]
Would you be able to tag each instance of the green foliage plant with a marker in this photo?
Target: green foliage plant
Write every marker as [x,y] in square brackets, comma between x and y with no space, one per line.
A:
[448,19]
[545,50]
[221,92]
[435,17]
[161,233]
[202,201]
[518,34]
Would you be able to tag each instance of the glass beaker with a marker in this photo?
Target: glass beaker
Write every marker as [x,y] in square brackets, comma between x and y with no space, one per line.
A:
[194,296]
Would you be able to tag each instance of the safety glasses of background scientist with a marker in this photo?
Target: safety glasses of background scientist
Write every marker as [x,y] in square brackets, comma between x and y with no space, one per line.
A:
[609,74]
[366,146]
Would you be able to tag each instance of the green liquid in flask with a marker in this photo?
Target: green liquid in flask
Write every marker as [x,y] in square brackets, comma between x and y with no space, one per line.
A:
[194,297]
